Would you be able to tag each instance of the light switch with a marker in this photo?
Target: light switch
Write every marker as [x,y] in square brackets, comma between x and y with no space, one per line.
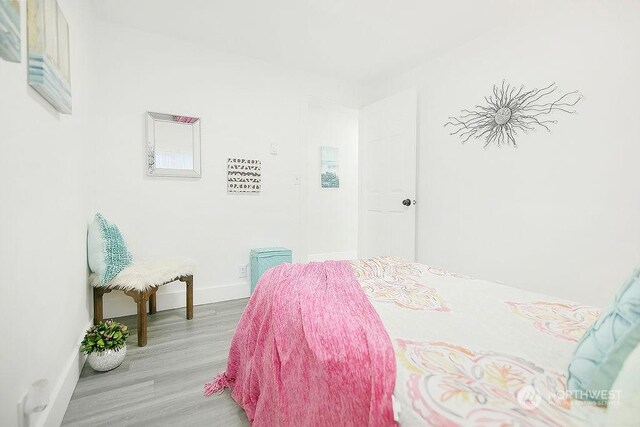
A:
[274,149]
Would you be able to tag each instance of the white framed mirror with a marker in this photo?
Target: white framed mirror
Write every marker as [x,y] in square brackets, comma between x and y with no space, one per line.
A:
[173,145]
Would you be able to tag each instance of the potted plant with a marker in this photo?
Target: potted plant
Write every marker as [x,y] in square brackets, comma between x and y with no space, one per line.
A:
[106,345]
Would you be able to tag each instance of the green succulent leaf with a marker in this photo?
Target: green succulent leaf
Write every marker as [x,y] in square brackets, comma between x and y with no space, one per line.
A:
[106,335]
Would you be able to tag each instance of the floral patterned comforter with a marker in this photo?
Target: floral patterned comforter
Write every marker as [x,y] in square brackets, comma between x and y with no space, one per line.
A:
[476,353]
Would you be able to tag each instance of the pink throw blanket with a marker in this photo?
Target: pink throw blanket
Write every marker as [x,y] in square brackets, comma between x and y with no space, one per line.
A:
[310,350]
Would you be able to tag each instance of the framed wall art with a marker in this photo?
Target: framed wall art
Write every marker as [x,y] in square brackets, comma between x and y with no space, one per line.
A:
[10,40]
[244,175]
[48,50]
[329,167]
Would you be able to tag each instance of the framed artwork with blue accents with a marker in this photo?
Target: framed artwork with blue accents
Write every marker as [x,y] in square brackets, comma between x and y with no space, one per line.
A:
[48,49]
[10,30]
[329,177]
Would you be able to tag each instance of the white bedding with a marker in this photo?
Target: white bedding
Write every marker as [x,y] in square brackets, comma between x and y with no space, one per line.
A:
[472,352]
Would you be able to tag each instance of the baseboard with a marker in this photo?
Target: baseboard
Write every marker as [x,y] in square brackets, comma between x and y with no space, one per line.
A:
[117,304]
[333,256]
[62,390]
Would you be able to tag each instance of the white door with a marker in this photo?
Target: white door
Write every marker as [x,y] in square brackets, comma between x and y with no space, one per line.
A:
[388,177]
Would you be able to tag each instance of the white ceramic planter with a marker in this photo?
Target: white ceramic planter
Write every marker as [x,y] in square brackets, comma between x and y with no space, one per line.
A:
[107,360]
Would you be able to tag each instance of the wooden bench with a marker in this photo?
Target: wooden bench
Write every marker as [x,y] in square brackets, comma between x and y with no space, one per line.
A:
[133,283]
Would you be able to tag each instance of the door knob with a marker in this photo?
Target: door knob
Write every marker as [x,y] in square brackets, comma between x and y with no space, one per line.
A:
[406,202]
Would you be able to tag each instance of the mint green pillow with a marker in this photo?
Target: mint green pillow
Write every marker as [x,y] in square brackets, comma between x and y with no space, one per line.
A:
[605,346]
[107,252]
[626,394]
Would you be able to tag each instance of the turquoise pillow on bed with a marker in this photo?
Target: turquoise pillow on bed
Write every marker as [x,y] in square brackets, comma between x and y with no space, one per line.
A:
[626,392]
[605,346]
[107,252]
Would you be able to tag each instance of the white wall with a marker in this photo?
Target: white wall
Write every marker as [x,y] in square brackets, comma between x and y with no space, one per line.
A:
[245,105]
[58,170]
[331,221]
[560,214]
[44,298]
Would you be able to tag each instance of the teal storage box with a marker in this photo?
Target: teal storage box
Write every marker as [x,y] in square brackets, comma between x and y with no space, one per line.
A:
[263,259]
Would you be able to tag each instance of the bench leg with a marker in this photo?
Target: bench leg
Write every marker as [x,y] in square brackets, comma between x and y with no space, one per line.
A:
[141,297]
[98,315]
[142,322]
[188,280]
[152,303]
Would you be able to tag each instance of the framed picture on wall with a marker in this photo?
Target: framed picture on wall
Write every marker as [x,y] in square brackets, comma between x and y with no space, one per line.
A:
[10,30]
[329,170]
[244,175]
[48,50]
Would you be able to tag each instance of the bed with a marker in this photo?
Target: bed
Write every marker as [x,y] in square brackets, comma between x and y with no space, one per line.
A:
[467,351]
[473,352]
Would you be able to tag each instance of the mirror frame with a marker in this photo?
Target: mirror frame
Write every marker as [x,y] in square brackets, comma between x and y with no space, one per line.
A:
[152,118]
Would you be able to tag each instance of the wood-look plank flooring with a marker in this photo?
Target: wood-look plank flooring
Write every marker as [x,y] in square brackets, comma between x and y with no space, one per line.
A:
[161,384]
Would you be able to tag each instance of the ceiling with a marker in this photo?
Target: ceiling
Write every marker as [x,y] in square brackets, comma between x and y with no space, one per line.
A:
[356,40]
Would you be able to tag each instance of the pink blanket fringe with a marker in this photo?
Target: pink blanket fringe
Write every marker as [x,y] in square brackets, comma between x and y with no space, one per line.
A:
[219,383]
[310,350]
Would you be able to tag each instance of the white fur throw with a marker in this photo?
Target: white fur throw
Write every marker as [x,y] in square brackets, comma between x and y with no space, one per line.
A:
[142,275]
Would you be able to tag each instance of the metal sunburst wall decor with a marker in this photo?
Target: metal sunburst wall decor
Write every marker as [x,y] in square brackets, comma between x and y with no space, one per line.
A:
[508,112]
